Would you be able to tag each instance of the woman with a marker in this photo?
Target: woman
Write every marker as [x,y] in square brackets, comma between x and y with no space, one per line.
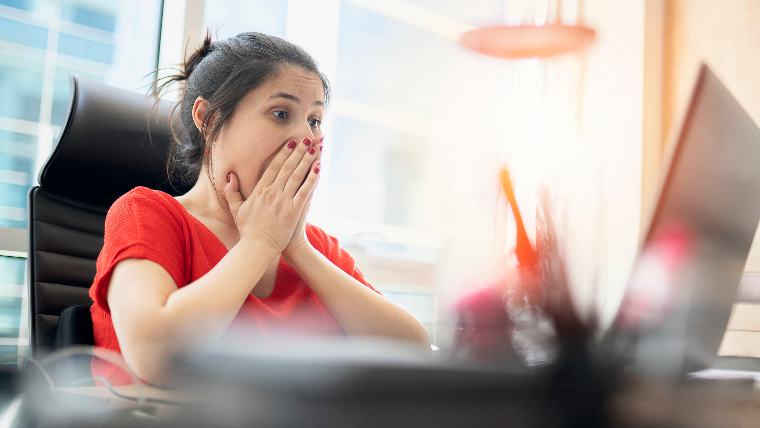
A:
[175,272]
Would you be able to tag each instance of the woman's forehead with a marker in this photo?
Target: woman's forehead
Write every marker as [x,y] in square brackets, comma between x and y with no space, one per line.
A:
[292,80]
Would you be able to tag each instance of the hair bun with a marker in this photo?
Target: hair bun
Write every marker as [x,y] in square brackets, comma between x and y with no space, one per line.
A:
[192,62]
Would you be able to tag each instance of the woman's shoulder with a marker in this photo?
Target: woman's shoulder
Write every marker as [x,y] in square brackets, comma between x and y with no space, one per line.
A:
[145,203]
[144,196]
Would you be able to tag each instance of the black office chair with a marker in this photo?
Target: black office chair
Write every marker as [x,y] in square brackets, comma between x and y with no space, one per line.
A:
[104,151]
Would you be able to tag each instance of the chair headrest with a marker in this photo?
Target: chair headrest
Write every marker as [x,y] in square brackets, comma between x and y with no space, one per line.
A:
[113,140]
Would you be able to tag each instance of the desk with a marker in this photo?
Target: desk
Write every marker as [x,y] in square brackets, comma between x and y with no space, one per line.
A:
[638,403]
[698,404]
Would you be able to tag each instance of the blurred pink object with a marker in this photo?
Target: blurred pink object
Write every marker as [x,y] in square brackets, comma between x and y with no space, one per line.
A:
[654,279]
[528,41]
[484,327]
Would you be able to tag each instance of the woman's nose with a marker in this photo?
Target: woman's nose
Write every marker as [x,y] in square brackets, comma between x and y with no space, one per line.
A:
[312,132]
[306,132]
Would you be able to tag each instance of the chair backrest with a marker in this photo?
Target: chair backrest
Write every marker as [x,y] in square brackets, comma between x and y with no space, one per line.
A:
[113,141]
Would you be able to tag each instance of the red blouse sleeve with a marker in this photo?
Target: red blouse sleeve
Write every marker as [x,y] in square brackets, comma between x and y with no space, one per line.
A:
[139,225]
[329,246]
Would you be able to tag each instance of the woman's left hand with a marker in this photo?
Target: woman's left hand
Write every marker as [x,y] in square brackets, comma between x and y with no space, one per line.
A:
[299,234]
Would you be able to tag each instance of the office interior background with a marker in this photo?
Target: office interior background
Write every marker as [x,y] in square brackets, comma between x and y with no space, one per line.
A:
[416,129]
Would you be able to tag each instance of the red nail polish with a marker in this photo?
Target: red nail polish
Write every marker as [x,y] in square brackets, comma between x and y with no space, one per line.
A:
[291,144]
[312,150]
[307,141]
[316,170]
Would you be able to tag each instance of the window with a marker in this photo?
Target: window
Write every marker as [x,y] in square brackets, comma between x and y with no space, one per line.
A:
[12,299]
[41,44]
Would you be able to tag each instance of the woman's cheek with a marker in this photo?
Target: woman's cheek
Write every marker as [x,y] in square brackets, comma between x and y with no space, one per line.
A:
[253,171]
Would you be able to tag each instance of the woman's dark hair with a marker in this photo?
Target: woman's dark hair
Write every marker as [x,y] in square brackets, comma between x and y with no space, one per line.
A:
[222,72]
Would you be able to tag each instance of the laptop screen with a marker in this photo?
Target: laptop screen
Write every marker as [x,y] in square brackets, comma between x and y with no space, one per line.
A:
[685,279]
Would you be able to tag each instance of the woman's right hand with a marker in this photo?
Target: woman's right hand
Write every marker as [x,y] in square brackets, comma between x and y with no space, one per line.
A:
[274,207]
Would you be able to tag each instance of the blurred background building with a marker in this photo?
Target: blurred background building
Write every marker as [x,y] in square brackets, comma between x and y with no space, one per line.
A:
[42,42]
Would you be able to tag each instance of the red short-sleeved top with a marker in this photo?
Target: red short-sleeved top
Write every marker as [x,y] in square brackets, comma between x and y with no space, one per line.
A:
[150,224]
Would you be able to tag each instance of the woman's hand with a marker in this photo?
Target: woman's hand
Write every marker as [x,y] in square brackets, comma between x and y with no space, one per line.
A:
[299,235]
[276,203]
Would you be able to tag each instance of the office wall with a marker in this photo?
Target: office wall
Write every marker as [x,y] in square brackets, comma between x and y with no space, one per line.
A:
[726,35]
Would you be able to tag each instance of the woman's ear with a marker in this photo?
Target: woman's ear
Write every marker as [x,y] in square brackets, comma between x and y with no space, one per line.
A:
[199,113]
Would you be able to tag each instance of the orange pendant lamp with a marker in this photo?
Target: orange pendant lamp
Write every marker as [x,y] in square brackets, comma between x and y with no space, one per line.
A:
[531,41]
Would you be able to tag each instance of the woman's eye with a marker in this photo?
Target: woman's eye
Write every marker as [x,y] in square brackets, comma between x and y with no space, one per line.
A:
[280,114]
[314,123]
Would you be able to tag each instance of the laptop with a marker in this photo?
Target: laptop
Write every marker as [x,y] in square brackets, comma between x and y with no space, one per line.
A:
[685,279]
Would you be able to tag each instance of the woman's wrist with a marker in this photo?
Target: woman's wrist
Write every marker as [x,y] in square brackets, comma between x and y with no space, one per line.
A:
[258,244]
[295,252]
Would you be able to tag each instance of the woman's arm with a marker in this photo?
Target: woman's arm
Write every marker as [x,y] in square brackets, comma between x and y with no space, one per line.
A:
[358,309]
[151,316]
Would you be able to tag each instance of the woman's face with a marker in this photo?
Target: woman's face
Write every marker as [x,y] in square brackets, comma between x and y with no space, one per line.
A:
[289,106]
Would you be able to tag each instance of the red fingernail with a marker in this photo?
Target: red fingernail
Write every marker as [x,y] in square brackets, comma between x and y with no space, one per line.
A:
[291,144]
[312,150]
[307,141]
[316,170]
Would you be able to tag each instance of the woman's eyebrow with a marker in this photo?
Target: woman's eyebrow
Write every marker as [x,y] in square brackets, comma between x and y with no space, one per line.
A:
[291,97]
[285,95]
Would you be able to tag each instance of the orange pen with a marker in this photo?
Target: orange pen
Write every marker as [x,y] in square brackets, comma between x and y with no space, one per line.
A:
[526,255]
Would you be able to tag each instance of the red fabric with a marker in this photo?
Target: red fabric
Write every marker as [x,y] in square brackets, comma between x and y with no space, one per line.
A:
[150,224]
